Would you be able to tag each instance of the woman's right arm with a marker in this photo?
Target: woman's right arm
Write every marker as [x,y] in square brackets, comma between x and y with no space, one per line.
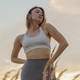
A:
[16,48]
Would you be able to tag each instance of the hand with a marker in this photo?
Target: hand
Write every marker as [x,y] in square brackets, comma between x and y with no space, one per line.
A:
[51,61]
[22,66]
[51,68]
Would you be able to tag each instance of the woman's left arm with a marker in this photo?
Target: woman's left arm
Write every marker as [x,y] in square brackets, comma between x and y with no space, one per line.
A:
[53,32]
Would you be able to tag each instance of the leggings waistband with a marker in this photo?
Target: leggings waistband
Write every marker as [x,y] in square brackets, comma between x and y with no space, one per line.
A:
[35,65]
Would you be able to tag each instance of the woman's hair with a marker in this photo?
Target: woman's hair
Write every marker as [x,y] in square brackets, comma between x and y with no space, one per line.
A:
[28,20]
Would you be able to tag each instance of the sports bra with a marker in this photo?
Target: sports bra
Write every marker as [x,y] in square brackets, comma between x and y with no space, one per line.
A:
[39,41]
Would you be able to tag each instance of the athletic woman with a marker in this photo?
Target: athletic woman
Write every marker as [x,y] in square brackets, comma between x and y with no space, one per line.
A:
[36,44]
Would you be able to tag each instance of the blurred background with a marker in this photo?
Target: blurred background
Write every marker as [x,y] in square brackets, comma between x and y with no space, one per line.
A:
[64,15]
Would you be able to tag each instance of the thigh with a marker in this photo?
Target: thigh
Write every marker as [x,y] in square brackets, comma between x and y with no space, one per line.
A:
[54,78]
[28,75]
[49,78]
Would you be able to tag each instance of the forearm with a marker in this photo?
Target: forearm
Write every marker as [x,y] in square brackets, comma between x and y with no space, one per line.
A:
[60,49]
[18,60]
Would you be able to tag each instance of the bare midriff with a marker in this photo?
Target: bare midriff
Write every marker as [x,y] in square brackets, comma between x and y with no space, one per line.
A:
[39,53]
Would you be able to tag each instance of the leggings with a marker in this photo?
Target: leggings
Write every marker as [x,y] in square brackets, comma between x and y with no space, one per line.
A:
[33,69]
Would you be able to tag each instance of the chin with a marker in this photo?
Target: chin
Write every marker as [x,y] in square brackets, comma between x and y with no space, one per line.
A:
[38,21]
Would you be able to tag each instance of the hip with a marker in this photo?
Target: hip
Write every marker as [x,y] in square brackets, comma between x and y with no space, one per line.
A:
[35,65]
[33,69]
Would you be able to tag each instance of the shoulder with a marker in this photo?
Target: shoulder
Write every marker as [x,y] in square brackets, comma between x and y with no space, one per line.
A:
[47,26]
[19,38]
[52,31]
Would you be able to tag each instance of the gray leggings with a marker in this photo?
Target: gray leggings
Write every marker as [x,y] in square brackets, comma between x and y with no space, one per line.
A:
[33,69]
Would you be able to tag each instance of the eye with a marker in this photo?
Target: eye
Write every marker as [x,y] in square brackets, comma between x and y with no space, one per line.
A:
[37,12]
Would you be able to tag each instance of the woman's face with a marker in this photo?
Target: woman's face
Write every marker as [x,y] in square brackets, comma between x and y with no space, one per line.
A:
[37,15]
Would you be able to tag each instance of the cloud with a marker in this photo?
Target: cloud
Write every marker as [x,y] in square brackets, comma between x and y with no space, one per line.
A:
[7,41]
[62,16]
[65,6]
[6,45]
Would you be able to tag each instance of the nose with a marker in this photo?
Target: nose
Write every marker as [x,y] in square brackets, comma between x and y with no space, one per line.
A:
[40,14]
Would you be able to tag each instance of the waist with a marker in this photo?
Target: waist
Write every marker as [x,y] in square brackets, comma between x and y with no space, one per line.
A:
[38,53]
[35,65]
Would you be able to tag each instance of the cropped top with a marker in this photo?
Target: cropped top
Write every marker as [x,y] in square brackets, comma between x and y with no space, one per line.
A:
[40,41]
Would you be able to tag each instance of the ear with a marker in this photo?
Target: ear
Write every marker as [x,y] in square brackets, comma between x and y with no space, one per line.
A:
[30,18]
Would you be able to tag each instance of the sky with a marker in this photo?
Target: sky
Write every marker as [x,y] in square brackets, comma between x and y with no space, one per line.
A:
[64,15]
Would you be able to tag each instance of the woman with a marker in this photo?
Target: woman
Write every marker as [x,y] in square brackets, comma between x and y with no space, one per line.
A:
[36,45]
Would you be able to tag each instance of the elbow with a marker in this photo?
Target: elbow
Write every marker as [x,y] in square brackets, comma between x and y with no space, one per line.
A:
[66,44]
[12,59]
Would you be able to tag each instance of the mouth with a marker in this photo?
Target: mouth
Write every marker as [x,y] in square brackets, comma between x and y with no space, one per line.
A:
[40,17]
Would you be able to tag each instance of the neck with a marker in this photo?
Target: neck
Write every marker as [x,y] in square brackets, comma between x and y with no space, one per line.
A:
[34,27]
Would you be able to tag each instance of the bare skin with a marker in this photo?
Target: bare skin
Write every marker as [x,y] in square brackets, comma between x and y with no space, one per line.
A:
[39,53]
[33,54]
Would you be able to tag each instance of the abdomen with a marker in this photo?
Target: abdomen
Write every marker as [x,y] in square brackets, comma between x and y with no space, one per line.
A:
[38,53]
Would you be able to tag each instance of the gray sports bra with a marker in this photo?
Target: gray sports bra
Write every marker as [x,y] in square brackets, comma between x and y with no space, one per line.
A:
[40,41]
